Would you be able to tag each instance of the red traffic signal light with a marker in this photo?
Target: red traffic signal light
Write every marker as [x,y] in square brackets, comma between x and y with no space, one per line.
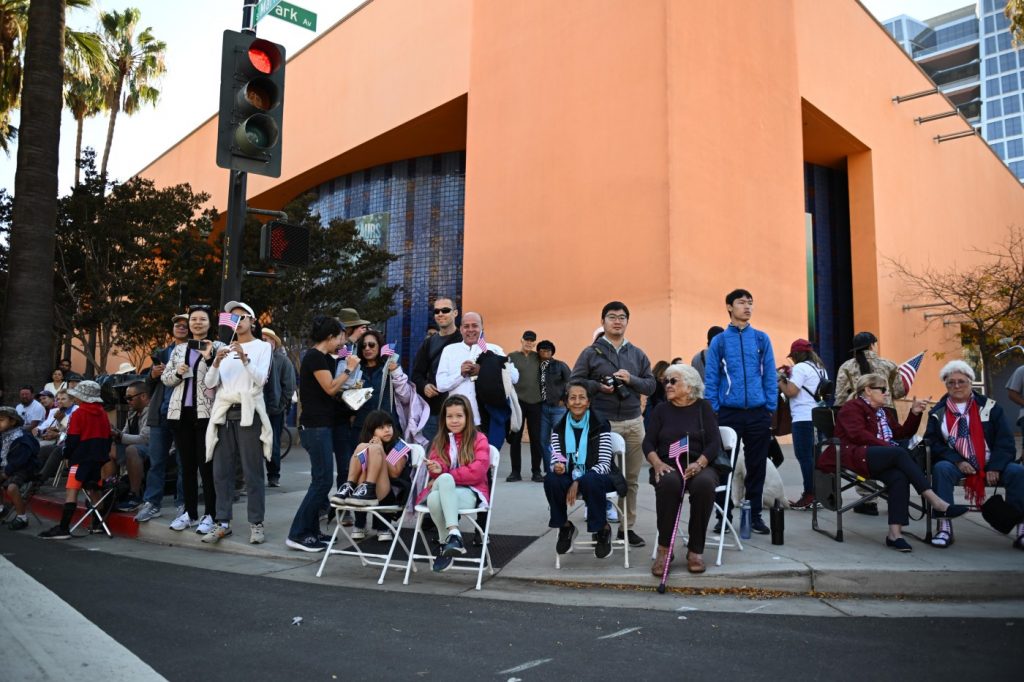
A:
[284,244]
[251,104]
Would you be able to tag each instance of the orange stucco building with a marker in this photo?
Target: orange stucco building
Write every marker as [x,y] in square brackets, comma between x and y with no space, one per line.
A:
[660,152]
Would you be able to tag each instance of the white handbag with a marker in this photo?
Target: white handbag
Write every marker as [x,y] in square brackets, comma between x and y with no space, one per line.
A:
[356,397]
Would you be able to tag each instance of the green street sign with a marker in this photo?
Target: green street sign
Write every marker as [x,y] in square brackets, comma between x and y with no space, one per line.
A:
[285,11]
[263,8]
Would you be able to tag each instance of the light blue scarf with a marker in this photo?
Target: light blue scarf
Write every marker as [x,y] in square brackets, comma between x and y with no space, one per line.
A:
[577,451]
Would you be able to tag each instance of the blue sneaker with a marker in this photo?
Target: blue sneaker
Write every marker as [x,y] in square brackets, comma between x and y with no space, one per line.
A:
[453,546]
[442,563]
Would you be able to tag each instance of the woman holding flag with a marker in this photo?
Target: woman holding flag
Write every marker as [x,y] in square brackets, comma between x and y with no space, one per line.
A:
[681,443]
[392,391]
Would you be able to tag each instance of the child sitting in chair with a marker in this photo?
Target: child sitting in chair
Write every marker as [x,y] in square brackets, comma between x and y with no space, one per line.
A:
[20,464]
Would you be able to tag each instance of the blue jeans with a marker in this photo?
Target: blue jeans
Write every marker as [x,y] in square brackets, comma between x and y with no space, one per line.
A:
[549,416]
[274,465]
[803,448]
[318,443]
[160,438]
[946,475]
[344,441]
[494,422]
[430,428]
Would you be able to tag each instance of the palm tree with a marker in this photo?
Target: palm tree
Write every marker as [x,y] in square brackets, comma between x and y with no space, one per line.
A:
[85,85]
[136,62]
[13,26]
[28,319]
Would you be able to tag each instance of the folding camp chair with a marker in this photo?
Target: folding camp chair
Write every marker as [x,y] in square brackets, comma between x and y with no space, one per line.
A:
[381,512]
[461,563]
[103,507]
[621,504]
[828,488]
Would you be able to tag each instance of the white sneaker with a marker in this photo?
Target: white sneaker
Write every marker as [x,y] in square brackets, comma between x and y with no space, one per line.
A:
[385,536]
[182,522]
[206,524]
[612,513]
[358,533]
[256,536]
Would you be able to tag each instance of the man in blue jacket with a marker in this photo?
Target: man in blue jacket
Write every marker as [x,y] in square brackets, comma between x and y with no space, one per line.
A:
[740,384]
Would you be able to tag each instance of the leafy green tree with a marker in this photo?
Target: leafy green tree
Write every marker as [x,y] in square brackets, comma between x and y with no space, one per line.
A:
[137,63]
[1015,13]
[124,250]
[345,271]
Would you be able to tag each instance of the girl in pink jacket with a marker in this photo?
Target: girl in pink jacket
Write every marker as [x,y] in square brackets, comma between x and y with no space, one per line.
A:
[457,466]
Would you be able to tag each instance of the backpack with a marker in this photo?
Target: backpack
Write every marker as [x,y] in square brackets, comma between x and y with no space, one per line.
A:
[826,389]
[490,388]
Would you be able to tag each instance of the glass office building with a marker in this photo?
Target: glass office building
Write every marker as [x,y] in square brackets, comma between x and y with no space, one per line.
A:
[970,55]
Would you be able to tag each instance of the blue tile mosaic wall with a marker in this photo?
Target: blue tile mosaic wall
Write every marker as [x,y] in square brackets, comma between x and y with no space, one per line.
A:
[419,204]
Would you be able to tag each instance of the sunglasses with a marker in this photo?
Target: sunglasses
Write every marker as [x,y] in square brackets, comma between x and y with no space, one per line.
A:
[670,382]
[957,382]
[442,311]
[881,389]
[198,306]
[369,345]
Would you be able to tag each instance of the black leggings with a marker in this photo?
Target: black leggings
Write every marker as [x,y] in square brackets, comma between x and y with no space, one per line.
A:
[190,438]
[667,499]
[894,467]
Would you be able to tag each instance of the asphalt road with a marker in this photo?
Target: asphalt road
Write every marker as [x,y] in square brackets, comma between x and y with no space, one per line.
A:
[196,624]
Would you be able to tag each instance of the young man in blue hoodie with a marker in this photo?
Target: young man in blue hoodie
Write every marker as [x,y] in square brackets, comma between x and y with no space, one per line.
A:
[740,383]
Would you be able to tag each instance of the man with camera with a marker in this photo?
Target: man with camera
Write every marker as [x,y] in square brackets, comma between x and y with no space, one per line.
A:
[617,374]
[740,383]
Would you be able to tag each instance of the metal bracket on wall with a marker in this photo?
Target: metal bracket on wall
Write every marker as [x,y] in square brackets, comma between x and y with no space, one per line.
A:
[914,95]
[935,117]
[973,132]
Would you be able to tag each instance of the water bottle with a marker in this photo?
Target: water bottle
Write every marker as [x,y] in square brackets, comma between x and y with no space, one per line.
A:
[778,519]
[745,520]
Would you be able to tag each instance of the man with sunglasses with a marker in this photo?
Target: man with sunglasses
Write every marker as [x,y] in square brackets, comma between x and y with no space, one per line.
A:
[132,443]
[424,366]
[740,383]
[160,434]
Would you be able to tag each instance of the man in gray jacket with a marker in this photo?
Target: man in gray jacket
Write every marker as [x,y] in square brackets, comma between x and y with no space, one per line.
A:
[618,373]
[277,394]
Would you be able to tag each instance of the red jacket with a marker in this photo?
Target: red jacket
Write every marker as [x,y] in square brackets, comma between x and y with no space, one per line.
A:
[88,437]
[472,475]
[857,429]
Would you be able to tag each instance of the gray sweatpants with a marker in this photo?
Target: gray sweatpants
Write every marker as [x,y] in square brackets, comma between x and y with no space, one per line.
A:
[239,443]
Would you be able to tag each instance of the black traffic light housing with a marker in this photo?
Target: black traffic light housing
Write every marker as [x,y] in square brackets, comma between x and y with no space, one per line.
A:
[284,244]
[251,104]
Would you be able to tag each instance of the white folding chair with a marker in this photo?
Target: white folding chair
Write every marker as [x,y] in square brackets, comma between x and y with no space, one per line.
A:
[621,504]
[461,563]
[732,445]
[378,512]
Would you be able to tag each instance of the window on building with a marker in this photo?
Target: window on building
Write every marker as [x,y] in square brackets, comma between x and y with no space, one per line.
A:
[990,44]
[991,5]
[999,149]
[990,24]
[1004,41]
[1002,22]
[1014,148]
[1011,104]
[994,109]
[991,66]
[1012,126]
[994,130]
[1007,62]
[992,87]
[1017,168]
[1009,83]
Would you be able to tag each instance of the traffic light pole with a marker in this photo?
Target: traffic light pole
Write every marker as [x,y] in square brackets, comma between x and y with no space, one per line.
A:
[234,231]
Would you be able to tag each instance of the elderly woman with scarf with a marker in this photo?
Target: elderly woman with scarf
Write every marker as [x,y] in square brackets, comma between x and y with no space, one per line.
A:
[868,431]
[581,467]
[971,441]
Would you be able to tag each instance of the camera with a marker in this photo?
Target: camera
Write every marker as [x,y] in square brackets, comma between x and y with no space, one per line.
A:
[196,344]
[620,390]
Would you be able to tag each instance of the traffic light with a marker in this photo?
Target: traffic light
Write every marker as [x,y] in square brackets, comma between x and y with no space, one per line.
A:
[284,244]
[251,104]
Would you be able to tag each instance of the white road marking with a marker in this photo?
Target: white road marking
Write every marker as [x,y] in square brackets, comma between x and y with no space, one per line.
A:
[620,633]
[687,608]
[525,666]
[758,608]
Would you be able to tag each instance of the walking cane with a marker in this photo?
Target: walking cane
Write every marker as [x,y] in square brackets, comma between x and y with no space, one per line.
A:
[675,529]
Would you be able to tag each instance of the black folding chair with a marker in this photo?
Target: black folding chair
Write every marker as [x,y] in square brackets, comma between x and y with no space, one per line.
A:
[828,488]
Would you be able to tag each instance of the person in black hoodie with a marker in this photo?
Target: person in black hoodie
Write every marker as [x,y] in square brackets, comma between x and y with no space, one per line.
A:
[19,453]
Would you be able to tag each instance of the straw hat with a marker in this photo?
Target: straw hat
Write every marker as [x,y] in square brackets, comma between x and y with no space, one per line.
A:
[267,331]
[125,368]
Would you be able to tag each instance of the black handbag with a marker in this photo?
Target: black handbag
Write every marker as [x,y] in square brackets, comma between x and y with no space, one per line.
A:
[775,452]
[1000,514]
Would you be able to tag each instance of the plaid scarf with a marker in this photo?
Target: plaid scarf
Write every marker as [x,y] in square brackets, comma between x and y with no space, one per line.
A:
[884,430]
[967,437]
[6,439]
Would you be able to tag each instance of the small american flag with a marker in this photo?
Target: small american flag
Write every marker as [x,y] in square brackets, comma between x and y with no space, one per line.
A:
[481,344]
[344,352]
[556,452]
[389,349]
[679,448]
[228,320]
[400,450]
[362,459]
[908,370]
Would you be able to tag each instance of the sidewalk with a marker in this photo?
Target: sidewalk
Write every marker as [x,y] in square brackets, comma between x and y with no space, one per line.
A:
[982,563]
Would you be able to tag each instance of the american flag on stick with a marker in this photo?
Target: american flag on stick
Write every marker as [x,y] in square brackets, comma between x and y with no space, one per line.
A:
[556,453]
[908,370]
[679,448]
[228,320]
[344,352]
[389,349]
[481,344]
[400,450]
[362,459]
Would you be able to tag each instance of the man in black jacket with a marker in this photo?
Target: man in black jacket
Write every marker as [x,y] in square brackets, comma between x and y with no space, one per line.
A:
[617,374]
[554,375]
[424,366]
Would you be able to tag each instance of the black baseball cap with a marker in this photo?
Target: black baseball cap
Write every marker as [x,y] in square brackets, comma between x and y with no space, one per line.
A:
[529,335]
